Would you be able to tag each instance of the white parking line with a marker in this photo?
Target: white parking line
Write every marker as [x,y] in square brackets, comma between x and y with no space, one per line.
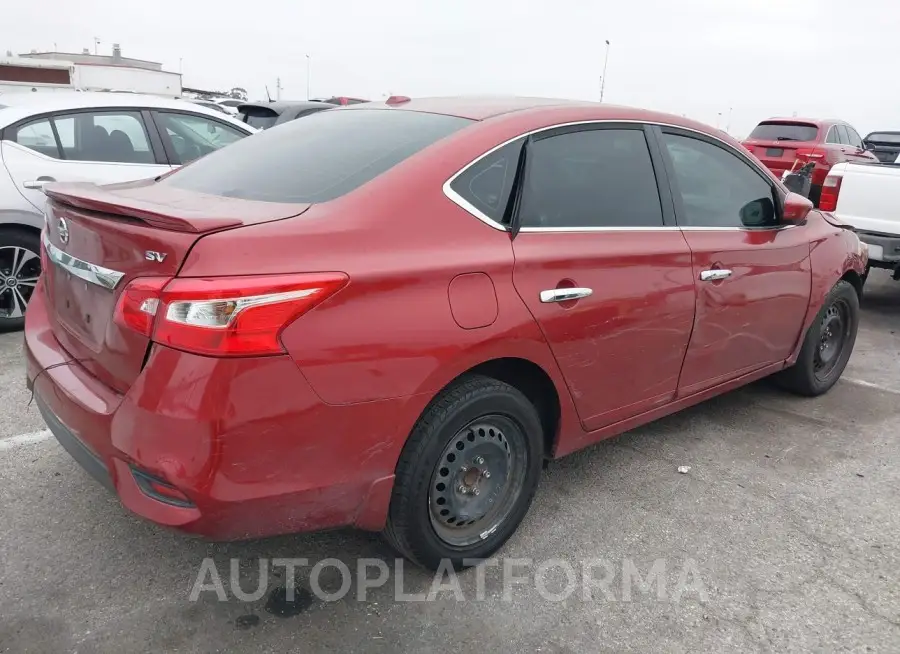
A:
[868,384]
[24,439]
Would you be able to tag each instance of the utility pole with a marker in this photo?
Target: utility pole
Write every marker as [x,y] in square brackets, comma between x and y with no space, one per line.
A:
[728,125]
[96,43]
[603,78]
[278,88]
[307,76]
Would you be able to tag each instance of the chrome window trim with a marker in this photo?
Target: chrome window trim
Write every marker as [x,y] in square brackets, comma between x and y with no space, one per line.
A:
[467,206]
[89,272]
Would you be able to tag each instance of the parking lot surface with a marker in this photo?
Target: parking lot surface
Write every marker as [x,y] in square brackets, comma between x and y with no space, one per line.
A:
[786,528]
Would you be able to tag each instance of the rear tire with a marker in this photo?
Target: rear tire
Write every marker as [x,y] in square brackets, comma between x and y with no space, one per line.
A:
[467,474]
[827,345]
[20,266]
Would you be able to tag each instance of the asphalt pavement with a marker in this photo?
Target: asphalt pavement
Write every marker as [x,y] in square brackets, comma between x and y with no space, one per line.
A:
[781,534]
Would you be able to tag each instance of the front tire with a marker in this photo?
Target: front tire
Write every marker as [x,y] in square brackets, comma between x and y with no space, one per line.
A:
[827,345]
[467,474]
[20,267]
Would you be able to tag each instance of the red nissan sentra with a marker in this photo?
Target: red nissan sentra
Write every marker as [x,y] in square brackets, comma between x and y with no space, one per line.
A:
[389,315]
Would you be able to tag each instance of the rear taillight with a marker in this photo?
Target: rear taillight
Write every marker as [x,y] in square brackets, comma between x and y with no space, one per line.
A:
[139,303]
[831,188]
[223,316]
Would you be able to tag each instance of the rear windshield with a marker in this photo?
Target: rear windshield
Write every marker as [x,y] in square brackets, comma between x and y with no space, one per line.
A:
[884,137]
[785,132]
[258,117]
[317,159]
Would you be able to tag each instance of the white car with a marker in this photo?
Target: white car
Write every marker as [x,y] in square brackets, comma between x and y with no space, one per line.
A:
[94,137]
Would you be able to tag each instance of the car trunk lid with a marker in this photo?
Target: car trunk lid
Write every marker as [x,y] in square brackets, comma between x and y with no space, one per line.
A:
[98,239]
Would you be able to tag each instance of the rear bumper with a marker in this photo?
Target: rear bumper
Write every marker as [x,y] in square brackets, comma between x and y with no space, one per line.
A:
[884,249]
[247,441]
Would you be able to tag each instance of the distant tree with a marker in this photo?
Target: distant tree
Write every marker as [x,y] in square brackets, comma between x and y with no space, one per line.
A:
[238,93]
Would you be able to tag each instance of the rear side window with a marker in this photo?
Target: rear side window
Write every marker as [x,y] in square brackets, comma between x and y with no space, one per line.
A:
[38,136]
[487,183]
[317,159]
[833,136]
[784,131]
[590,178]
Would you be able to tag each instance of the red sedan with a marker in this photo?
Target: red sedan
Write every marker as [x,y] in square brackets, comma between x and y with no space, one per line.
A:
[389,315]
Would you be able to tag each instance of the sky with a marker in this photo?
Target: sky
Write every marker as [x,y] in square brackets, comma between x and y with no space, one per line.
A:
[728,63]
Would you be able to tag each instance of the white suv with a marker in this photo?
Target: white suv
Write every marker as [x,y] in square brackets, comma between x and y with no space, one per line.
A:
[94,137]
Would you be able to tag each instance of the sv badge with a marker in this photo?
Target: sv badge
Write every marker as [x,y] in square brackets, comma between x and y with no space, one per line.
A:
[158,257]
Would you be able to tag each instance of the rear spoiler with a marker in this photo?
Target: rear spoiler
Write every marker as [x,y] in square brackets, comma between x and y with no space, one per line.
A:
[91,197]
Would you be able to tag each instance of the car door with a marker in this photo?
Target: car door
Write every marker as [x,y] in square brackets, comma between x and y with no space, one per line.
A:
[99,145]
[604,275]
[187,136]
[857,150]
[752,275]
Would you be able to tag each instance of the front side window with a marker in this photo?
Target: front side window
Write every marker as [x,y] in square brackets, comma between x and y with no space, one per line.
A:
[194,136]
[718,188]
[107,136]
[590,178]
[486,185]
[317,159]
[855,141]
[38,136]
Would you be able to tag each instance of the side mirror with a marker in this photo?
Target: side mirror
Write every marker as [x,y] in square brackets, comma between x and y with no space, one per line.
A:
[868,146]
[795,209]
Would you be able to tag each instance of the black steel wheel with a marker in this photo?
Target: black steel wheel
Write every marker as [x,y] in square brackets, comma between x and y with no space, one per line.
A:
[467,474]
[827,345]
[477,480]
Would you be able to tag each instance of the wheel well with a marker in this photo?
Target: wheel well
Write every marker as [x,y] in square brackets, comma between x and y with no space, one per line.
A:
[535,384]
[855,280]
[19,227]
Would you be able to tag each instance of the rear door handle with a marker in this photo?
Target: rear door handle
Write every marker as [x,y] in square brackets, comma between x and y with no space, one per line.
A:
[714,275]
[565,294]
[38,184]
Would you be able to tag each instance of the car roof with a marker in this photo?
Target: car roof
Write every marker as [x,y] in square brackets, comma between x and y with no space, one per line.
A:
[22,105]
[486,108]
[280,106]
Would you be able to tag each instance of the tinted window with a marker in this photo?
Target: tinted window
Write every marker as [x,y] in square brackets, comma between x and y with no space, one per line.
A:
[109,136]
[769,131]
[38,136]
[717,188]
[884,137]
[194,136]
[855,141]
[833,136]
[316,159]
[593,178]
[487,183]
[842,134]
[259,117]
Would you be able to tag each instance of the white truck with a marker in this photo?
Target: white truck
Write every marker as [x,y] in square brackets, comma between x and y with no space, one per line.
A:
[866,196]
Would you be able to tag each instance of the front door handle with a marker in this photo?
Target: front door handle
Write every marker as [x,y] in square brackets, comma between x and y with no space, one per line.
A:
[38,184]
[714,275]
[565,294]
